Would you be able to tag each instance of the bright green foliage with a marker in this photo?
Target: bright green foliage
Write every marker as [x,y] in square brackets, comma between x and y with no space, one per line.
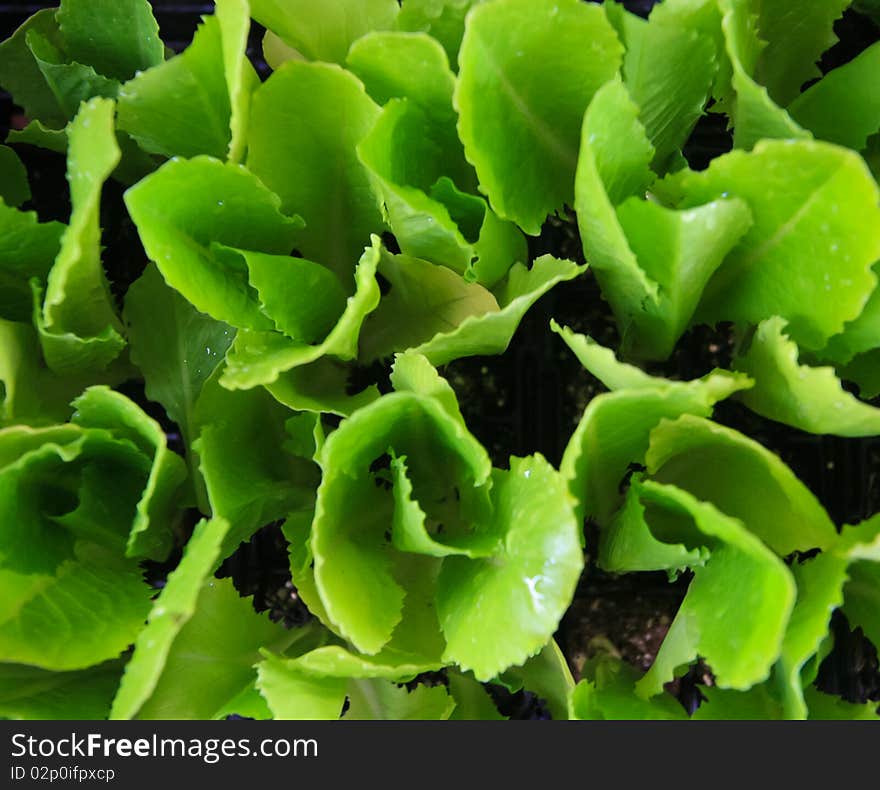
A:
[36,66]
[29,693]
[522,588]
[797,33]
[78,326]
[754,113]
[262,357]
[615,428]
[27,250]
[248,483]
[306,122]
[78,501]
[117,38]
[815,209]
[844,106]
[434,312]
[173,608]
[737,605]
[321,30]
[429,215]
[808,398]
[443,536]
[417,162]
[547,675]
[316,685]
[193,216]
[443,19]
[103,408]
[607,693]
[491,332]
[225,656]
[314,247]
[519,124]
[697,455]
[61,57]
[197,102]
[31,394]
[20,72]
[651,261]
[176,347]
[670,68]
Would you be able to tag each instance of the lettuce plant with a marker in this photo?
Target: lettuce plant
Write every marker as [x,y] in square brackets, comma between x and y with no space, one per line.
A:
[321,246]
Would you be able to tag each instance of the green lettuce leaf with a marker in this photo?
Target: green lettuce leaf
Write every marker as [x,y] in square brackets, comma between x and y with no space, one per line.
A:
[102,408]
[346,546]
[322,386]
[615,428]
[472,701]
[826,707]
[444,20]
[87,612]
[324,29]
[395,65]
[250,476]
[27,250]
[809,398]
[607,693]
[700,457]
[737,606]
[844,106]
[410,530]
[431,218]
[78,326]
[418,164]
[754,114]
[519,121]
[651,261]
[35,133]
[14,186]
[490,332]
[21,75]
[815,211]
[546,675]
[176,348]
[303,298]
[29,693]
[224,655]
[117,37]
[171,611]
[860,598]
[758,703]
[425,300]
[262,357]
[439,535]
[670,68]
[316,685]
[630,544]
[796,34]
[80,503]
[62,57]
[189,212]
[299,149]
[499,610]
[31,394]
[197,102]
[860,335]
[411,372]
[234,17]
[414,67]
